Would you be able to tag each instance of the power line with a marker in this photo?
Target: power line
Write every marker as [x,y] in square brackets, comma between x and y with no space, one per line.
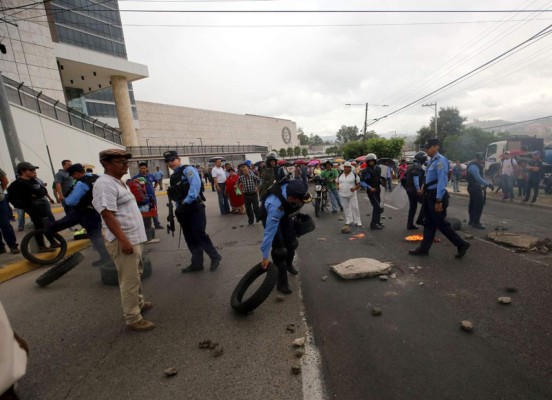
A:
[334,11]
[517,123]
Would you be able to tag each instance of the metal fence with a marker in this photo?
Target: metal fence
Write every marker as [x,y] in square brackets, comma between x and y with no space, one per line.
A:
[36,101]
[157,151]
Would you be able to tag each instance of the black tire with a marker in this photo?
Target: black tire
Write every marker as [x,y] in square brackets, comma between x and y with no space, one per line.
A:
[29,256]
[110,277]
[60,269]
[256,299]
[317,207]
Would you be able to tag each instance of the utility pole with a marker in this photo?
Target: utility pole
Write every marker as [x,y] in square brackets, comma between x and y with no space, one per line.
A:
[433,105]
[366,115]
[12,140]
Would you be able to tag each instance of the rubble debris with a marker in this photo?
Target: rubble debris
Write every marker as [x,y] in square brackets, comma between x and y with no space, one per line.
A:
[412,268]
[516,240]
[218,351]
[169,372]
[504,300]
[357,268]
[466,325]
[421,284]
[376,311]
[324,278]
[420,268]
[346,229]
[468,236]
[341,219]
[207,344]
[393,276]
[299,342]
[290,328]
[383,277]
[299,353]
[279,298]
[296,369]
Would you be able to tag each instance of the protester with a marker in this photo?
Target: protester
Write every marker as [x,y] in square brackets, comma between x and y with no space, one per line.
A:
[456,176]
[152,180]
[124,234]
[403,166]
[270,173]
[219,182]
[476,188]
[330,174]
[371,180]
[235,195]
[158,178]
[63,183]
[413,182]
[534,177]
[522,175]
[389,175]
[145,198]
[348,184]
[508,169]
[6,230]
[249,186]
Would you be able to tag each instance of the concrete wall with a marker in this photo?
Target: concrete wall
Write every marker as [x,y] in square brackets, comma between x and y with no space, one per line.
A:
[166,124]
[36,131]
[30,54]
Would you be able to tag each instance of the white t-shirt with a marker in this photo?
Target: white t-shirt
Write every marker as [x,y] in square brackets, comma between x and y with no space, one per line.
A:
[13,359]
[508,167]
[219,173]
[346,183]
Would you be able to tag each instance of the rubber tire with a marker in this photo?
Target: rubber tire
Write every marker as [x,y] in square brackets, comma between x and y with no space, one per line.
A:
[317,207]
[24,247]
[60,269]
[110,277]
[246,306]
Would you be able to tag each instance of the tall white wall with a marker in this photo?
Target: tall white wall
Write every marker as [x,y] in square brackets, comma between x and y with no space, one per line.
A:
[37,133]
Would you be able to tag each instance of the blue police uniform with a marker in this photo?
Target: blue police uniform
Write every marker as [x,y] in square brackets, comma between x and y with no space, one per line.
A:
[190,213]
[435,191]
[476,189]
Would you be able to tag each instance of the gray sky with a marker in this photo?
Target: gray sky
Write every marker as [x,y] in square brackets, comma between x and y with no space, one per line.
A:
[308,73]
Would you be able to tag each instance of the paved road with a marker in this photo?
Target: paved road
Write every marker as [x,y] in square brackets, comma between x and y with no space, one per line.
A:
[416,350]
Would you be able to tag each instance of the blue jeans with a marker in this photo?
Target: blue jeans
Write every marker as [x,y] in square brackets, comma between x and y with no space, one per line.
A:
[223,199]
[334,198]
[20,218]
[508,186]
[6,230]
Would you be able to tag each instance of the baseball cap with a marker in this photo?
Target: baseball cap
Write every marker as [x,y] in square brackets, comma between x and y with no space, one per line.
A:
[114,153]
[25,166]
[347,164]
[431,143]
[170,154]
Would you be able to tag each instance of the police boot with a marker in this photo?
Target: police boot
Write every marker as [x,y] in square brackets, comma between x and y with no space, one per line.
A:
[282,285]
[290,256]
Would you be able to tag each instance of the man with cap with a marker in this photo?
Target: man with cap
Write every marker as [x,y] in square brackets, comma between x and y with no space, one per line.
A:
[435,203]
[124,234]
[279,235]
[270,173]
[476,189]
[185,192]
[29,194]
[371,180]
[330,174]
[535,175]
[508,170]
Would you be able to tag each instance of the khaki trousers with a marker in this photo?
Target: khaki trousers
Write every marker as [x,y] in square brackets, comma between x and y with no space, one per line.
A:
[129,268]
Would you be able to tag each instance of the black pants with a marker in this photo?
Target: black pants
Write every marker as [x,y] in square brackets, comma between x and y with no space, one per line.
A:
[375,200]
[38,212]
[532,185]
[413,207]
[477,201]
[522,187]
[193,222]
[283,249]
[252,207]
[434,221]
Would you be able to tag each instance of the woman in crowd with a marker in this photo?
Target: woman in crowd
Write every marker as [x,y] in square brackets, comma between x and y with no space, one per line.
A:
[234,194]
[347,184]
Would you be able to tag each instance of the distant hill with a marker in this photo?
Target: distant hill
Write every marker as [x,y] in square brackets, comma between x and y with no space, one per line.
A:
[541,128]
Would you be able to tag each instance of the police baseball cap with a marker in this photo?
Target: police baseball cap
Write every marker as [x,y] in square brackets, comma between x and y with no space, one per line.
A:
[25,166]
[170,155]
[75,168]
[108,154]
[298,189]
[431,143]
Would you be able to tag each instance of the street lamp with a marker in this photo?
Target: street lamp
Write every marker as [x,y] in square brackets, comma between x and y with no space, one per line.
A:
[200,141]
[435,106]
[366,114]
[147,145]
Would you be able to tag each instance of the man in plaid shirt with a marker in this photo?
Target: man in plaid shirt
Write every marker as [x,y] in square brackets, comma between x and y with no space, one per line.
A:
[249,186]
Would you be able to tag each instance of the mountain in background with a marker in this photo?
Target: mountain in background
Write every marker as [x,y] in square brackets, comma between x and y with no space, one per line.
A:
[541,128]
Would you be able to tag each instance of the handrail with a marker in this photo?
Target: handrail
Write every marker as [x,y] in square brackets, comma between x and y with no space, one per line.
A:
[214,150]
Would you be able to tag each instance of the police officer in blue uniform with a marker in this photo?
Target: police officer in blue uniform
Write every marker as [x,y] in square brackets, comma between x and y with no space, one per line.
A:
[476,189]
[186,192]
[435,203]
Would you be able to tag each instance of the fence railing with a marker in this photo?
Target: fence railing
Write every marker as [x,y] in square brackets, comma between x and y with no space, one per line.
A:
[157,151]
[36,101]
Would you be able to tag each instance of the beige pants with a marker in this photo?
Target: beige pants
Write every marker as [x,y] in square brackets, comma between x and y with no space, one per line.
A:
[129,267]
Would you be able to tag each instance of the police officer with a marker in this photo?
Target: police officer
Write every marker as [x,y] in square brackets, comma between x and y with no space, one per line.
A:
[371,180]
[282,201]
[414,179]
[435,203]
[185,192]
[270,173]
[476,189]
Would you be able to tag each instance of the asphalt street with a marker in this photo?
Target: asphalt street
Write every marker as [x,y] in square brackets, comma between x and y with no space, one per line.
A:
[416,349]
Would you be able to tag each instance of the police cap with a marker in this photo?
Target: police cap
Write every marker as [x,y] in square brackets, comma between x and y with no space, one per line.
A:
[170,154]
[431,143]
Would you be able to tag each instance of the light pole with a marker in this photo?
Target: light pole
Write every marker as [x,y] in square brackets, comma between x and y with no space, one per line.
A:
[433,105]
[147,145]
[366,115]
[268,146]
[200,141]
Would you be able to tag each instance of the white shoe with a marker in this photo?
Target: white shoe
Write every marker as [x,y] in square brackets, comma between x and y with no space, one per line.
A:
[359,224]
[152,241]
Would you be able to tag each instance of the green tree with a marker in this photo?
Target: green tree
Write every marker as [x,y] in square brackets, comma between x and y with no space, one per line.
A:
[471,140]
[315,140]
[347,134]
[297,151]
[385,148]
[303,138]
[289,151]
[353,150]
[449,122]
[304,152]
[282,152]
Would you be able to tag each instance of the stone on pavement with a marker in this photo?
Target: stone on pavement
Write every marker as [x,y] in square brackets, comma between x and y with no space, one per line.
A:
[296,369]
[393,276]
[299,353]
[324,278]
[299,342]
[376,311]
[466,325]
[505,300]
[171,372]
[290,328]
[517,240]
[346,229]
[383,277]
[358,268]
[217,352]
[280,298]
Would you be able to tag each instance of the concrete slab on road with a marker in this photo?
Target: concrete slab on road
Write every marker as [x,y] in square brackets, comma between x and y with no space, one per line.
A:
[80,348]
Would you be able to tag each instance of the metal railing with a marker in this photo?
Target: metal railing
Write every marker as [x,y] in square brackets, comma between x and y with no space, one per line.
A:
[157,151]
[36,101]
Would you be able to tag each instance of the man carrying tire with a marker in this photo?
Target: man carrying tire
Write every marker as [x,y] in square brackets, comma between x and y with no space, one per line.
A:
[279,235]
[124,234]
[185,192]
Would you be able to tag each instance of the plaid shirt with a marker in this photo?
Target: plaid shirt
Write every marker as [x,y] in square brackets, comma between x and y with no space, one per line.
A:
[250,183]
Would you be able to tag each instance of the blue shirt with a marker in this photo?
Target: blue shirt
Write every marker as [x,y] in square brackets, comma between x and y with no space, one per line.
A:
[78,192]
[474,171]
[190,174]
[149,177]
[437,172]
[273,215]
[158,175]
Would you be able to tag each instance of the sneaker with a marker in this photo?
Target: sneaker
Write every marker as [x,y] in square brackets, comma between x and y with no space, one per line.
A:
[334,212]
[462,250]
[359,225]
[283,289]
[148,305]
[191,268]
[55,245]
[412,227]
[292,270]
[341,209]
[418,252]
[15,250]
[159,227]
[152,241]
[141,326]
[375,227]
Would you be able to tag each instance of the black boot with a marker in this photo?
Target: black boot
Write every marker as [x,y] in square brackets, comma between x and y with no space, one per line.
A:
[282,285]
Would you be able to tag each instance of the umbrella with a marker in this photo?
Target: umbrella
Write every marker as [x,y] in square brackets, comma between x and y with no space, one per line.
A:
[283,162]
[339,160]
[360,159]
[300,162]
[353,162]
[314,162]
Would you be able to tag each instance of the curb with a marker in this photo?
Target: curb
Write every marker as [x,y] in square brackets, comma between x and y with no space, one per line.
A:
[21,267]
[518,204]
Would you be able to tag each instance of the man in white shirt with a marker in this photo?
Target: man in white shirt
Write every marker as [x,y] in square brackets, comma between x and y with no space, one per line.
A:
[124,234]
[508,169]
[219,181]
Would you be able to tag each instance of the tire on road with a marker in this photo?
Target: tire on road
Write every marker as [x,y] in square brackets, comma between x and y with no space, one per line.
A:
[32,258]
[60,269]
[242,306]
[110,277]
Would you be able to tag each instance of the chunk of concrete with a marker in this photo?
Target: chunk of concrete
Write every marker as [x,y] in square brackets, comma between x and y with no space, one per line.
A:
[358,268]
[516,240]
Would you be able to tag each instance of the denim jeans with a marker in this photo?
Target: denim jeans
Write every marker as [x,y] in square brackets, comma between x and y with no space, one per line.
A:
[223,199]
[20,218]
[335,199]
[508,186]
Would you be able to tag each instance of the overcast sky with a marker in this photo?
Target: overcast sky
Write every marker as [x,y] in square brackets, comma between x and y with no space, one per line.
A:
[308,73]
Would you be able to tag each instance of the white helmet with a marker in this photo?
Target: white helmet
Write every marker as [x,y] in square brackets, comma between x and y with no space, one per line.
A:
[271,155]
[370,157]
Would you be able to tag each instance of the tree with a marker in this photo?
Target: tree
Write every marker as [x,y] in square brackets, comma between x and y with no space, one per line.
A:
[382,147]
[449,122]
[304,152]
[315,140]
[347,134]
[353,150]
[303,139]
[282,152]
[471,140]
[297,151]
[289,151]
